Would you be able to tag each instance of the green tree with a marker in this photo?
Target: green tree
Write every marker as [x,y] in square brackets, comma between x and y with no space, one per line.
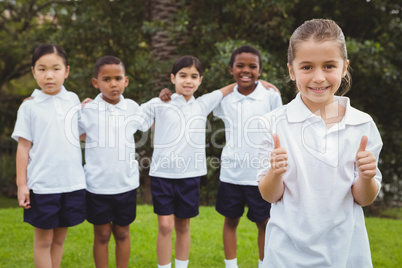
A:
[210,30]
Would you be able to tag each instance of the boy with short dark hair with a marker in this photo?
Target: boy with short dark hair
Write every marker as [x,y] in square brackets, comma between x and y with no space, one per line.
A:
[238,186]
[111,170]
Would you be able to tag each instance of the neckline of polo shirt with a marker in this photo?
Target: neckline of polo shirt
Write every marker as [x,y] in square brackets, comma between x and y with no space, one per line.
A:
[180,98]
[39,96]
[257,94]
[297,111]
[121,105]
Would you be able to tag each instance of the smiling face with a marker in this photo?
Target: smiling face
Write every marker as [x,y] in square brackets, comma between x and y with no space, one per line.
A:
[317,69]
[246,70]
[186,81]
[50,72]
[111,82]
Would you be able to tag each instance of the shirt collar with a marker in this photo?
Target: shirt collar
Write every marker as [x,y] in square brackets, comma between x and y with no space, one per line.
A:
[297,111]
[180,99]
[39,96]
[257,94]
[121,105]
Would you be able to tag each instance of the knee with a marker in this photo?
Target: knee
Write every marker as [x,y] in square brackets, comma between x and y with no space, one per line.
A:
[166,228]
[121,235]
[182,228]
[232,223]
[43,243]
[103,236]
[58,241]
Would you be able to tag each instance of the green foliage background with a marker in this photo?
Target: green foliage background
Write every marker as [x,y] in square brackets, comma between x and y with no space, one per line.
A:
[210,30]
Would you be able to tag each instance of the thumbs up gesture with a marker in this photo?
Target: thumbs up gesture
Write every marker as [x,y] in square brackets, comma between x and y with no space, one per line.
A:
[365,160]
[278,157]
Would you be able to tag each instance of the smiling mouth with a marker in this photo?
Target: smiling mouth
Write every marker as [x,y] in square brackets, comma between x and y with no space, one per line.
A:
[318,89]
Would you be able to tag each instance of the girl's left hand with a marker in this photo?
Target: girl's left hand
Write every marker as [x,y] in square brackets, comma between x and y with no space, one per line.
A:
[366,162]
[23,197]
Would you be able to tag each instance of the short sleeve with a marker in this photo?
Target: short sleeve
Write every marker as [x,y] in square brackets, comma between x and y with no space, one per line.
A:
[218,111]
[23,124]
[210,101]
[267,145]
[81,125]
[276,101]
[146,114]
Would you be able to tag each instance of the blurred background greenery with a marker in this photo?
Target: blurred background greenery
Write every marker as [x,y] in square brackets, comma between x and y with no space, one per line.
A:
[149,35]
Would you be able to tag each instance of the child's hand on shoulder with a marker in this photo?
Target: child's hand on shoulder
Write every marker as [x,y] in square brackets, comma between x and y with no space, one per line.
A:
[278,157]
[85,102]
[366,162]
[23,197]
[165,94]
[27,98]
[269,86]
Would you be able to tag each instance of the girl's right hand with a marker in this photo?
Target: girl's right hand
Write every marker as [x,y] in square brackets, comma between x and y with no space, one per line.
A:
[278,157]
[23,197]
[165,94]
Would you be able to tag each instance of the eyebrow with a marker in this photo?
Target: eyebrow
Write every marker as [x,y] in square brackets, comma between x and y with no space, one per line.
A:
[190,74]
[309,62]
[51,65]
[108,76]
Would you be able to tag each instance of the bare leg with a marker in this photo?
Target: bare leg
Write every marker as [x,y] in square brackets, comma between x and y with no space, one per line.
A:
[230,237]
[261,237]
[42,247]
[164,239]
[122,237]
[101,243]
[182,246]
[56,252]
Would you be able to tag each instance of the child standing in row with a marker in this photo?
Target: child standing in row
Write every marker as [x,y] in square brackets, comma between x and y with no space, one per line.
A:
[109,123]
[240,111]
[179,160]
[50,178]
[323,160]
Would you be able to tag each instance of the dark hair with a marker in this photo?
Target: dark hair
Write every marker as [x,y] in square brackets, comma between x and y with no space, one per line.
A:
[245,49]
[184,62]
[49,49]
[107,60]
[321,30]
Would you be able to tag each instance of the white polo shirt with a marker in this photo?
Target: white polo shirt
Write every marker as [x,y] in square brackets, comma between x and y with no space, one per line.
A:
[179,137]
[51,124]
[111,166]
[317,223]
[240,113]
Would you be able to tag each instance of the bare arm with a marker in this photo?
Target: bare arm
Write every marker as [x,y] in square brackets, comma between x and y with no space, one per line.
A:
[24,146]
[271,185]
[365,189]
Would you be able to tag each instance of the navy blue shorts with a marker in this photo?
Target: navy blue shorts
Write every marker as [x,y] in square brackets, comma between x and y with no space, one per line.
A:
[121,209]
[180,197]
[232,199]
[49,211]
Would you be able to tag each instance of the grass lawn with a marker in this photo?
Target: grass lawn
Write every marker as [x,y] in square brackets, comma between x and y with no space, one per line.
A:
[206,241]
